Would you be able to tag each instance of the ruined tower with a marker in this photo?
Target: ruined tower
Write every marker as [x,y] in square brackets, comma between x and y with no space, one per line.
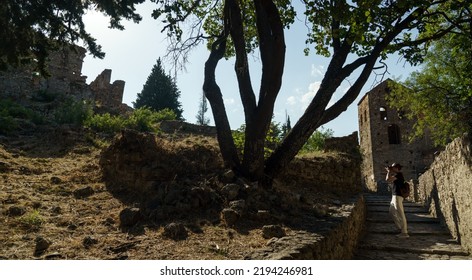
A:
[383,140]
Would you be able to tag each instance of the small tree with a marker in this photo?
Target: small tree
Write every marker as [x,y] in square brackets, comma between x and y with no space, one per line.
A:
[203,108]
[160,92]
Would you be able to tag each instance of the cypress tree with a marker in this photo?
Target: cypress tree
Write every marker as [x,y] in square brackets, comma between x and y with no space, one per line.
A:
[160,92]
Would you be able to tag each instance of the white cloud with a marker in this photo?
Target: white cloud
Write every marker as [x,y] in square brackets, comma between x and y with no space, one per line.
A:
[292,100]
[317,71]
[303,99]
[308,96]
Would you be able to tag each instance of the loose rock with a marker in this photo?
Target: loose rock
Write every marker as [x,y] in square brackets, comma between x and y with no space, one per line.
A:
[175,231]
[130,217]
[42,245]
[271,231]
[229,216]
[83,192]
[231,191]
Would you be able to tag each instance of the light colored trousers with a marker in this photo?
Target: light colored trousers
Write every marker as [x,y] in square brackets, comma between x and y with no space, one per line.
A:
[397,213]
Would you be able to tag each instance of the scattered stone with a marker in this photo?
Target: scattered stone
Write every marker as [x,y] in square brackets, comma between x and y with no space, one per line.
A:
[55,180]
[42,244]
[228,176]
[130,217]
[36,205]
[123,247]
[238,205]
[53,256]
[320,210]
[56,210]
[263,215]
[83,192]
[4,167]
[175,231]
[229,216]
[16,211]
[89,241]
[270,231]
[231,191]
[72,226]
[109,221]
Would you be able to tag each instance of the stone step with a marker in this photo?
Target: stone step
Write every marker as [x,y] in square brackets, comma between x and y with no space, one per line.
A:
[383,208]
[409,215]
[428,238]
[413,228]
[382,255]
[416,244]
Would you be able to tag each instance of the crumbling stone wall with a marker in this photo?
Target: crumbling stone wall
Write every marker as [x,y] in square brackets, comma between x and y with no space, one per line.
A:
[65,70]
[446,189]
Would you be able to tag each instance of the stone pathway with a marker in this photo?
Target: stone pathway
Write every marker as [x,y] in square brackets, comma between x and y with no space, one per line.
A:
[429,240]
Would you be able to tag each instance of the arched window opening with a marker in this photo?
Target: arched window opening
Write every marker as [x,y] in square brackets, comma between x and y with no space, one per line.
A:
[383,113]
[394,134]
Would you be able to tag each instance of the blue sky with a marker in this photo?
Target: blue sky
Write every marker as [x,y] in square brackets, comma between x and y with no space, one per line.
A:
[132,53]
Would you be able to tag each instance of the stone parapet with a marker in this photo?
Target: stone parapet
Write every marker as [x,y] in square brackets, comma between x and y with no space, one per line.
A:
[334,239]
[446,189]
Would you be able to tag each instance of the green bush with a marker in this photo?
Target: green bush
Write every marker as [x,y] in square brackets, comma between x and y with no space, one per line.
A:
[145,119]
[317,140]
[11,111]
[105,123]
[73,112]
[142,119]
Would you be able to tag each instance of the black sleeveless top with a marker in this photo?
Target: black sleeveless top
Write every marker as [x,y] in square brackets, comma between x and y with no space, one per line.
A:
[398,183]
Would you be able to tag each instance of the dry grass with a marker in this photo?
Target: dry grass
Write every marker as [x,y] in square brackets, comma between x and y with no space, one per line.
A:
[40,175]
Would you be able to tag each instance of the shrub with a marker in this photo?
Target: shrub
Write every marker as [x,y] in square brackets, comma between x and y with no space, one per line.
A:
[145,119]
[142,119]
[32,220]
[105,123]
[73,112]
[317,140]
[10,111]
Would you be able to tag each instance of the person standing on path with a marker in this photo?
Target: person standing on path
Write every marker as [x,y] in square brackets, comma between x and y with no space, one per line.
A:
[396,180]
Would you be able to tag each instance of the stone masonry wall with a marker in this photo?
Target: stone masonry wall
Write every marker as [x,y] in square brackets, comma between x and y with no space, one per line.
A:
[340,173]
[65,69]
[447,189]
[336,242]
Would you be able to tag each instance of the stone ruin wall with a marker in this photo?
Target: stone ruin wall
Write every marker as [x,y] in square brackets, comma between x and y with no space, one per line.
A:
[340,172]
[446,189]
[65,69]
[381,144]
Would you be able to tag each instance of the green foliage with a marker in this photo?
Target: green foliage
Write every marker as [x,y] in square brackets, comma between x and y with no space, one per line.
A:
[142,119]
[105,123]
[159,92]
[272,140]
[10,112]
[439,97]
[317,140]
[32,220]
[30,29]
[73,112]
[145,119]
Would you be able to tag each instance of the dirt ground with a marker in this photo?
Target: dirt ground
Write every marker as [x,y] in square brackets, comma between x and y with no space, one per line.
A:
[55,205]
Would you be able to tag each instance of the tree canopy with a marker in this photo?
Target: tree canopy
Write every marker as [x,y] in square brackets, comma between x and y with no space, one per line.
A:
[31,29]
[357,35]
[160,92]
[439,97]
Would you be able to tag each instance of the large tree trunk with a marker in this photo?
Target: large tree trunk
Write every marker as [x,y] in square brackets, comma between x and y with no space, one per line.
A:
[213,93]
[272,48]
